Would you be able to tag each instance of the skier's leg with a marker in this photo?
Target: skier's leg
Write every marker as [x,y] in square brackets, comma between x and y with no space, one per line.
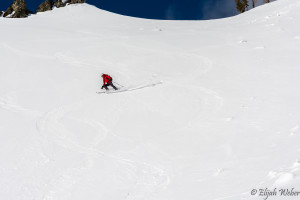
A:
[112,85]
[105,86]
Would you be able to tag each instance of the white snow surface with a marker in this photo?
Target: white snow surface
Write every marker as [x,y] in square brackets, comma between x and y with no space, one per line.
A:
[224,120]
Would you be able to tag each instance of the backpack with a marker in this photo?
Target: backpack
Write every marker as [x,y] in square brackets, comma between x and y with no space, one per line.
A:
[108,77]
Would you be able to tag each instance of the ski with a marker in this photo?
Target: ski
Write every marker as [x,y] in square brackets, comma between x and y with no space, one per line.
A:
[127,89]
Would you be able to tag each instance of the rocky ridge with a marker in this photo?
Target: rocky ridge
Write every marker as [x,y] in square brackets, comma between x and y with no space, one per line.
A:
[59,3]
[18,8]
[45,6]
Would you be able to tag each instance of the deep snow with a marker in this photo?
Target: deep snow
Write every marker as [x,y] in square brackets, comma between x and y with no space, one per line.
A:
[224,121]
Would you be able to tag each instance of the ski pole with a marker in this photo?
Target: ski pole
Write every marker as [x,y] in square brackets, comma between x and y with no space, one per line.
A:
[118,84]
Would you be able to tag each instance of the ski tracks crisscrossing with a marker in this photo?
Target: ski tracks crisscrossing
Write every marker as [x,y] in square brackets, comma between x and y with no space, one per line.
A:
[148,177]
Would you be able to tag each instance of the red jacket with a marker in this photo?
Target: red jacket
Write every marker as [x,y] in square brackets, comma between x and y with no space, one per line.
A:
[106,79]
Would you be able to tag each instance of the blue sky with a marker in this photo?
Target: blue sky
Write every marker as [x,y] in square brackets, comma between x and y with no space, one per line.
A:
[156,9]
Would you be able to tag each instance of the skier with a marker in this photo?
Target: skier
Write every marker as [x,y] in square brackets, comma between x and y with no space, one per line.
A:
[107,81]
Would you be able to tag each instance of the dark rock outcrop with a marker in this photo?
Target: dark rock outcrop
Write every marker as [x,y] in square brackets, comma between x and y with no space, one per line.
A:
[8,11]
[45,6]
[59,3]
[75,1]
[18,8]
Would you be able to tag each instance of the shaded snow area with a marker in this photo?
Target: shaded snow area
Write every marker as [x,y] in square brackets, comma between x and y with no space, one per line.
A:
[209,109]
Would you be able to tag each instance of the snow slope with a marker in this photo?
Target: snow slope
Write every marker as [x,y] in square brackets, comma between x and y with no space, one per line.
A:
[224,121]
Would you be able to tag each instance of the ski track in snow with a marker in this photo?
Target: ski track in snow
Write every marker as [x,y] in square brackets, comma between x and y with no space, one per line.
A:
[5,104]
[80,63]
[51,128]
[53,131]
[130,88]
[26,53]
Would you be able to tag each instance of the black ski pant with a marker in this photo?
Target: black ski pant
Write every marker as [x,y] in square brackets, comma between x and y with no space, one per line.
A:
[109,84]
